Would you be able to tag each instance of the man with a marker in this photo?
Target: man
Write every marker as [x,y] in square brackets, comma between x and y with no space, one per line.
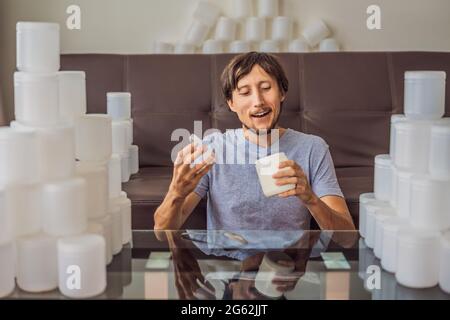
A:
[255,86]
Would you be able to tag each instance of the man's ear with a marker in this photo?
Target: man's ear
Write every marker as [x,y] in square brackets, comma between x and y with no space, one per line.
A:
[283,97]
[231,105]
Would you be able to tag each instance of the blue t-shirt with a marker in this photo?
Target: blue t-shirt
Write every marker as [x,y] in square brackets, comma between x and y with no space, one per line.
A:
[235,197]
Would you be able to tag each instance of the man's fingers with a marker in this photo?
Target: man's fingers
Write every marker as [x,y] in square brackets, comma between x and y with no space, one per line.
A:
[284,181]
[285,172]
[289,193]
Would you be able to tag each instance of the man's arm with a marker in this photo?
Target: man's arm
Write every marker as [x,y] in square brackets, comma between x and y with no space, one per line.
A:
[174,211]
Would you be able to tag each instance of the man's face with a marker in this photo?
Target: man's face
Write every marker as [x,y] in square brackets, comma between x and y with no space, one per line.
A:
[257,100]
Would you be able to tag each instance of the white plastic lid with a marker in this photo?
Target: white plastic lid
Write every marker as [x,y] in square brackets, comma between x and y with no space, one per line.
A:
[413,124]
[397,118]
[118,95]
[35,25]
[20,76]
[419,75]
[415,236]
[78,244]
[366,197]
[383,159]
[70,73]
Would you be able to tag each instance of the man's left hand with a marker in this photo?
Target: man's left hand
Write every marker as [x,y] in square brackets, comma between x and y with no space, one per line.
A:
[291,173]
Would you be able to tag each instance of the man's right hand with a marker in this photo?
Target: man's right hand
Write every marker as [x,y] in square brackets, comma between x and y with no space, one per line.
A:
[186,176]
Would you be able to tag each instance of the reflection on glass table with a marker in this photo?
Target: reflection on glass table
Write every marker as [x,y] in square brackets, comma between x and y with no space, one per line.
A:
[235,265]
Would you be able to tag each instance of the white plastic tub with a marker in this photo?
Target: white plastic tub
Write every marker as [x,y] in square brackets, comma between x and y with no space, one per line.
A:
[119,105]
[425,94]
[97,194]
[383,177]
[440,151]
[72,95]
[444,270]
[363,200]
[93,137]
[38,47]
[390,228]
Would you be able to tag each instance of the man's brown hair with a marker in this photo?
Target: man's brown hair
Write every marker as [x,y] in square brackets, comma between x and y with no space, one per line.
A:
[242,65]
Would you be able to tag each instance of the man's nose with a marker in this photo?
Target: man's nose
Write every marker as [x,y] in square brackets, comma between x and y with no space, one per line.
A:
[258,99]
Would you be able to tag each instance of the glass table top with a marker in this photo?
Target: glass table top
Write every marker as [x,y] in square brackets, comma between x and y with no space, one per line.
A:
[250,265]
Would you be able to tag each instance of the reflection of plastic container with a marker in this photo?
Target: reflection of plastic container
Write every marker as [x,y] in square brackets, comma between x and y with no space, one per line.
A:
[383,177]
[444,274]
[430,203]
[269,270]
[440,152]
[36,98]
[417,258]
[38,47]
[425,94]
[363,200]
[84,254]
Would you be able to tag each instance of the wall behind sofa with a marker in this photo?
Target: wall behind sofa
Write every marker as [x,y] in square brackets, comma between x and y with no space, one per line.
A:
[130,26]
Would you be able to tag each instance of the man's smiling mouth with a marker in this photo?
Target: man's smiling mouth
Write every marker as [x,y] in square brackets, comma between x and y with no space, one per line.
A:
[261,114]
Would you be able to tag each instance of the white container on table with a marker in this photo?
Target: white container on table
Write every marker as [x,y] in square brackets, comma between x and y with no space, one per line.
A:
[36,98]
[372,209]
[120,137]
[329,45]
[23,204]
[363,200]
[403,193]
[269,46]
[267,8]
[134,159]
[37,264]
[316,32]
[125,167]
[282,29]
[116,218]
[64,207]
[383,177]
[6,221]
[125,210]
[106,223]
[225,29]
[418,258]
[413,139]
[299,46]
[394,119]
[390,228]
[212,46]
[425,94]
[444,270]
[114,176]
[439,165]
[38,47]
[240,46]
[18,152]
[255,29]
[85,254]
[56,151]
[94,138]
[97,192]
[119,105]
[430,203]
[8,269]
[72,95]
[380,218]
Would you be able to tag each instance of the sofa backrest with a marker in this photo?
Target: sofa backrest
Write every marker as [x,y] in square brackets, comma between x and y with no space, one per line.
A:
[347,98]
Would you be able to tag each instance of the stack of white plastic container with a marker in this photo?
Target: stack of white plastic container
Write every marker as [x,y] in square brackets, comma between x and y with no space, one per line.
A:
[407,218]
[262,29]
[59,220]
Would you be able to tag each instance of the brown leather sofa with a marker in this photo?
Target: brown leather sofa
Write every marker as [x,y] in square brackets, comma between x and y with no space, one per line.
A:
[346,98]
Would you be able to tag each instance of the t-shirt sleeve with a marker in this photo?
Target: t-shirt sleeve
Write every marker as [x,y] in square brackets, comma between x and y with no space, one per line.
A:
[323,176]
[203,186]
